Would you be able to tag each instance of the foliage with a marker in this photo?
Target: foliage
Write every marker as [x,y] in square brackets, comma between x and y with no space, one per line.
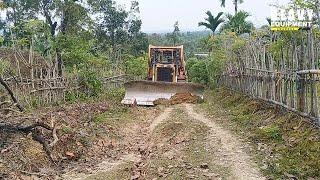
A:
[235,2]
[118,28]
[190,41]
[197,71]
[136,66]
[238,23]
[89,82]
[287,145]
[212,22]
[74,33]
[174,37]
[75,49]
[214,64]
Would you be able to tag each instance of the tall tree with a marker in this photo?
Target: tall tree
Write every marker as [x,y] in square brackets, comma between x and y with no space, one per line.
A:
[176,33]
[238,23]
[69,13]
[212,22]
[235,2]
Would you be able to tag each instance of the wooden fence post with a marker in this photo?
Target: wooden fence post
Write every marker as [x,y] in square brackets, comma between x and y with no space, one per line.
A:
[301,86]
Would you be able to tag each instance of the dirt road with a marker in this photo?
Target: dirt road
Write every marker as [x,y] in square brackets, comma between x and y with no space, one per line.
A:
[180,143]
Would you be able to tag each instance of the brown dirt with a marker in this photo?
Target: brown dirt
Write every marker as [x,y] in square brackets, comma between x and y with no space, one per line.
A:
[178,98]
[137,143]
[167,147]
[229,149]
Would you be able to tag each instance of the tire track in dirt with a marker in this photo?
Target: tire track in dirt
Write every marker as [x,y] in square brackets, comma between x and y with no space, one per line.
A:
[142,133]
[163,116]
[228,149]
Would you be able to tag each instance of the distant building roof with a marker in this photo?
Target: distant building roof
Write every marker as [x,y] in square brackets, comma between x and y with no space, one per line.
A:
[201,54]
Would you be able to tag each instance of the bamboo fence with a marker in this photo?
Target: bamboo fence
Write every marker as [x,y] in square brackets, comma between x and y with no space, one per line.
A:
[289,79]
[35,81]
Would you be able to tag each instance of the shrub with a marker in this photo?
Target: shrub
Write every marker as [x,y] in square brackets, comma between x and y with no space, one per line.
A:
[89,82]
[198,72]
[136,66]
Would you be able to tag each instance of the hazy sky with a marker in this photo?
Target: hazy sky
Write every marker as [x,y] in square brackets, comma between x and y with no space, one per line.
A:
[160,15]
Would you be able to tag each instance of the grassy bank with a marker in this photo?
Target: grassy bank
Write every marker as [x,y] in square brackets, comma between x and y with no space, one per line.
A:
[287,146]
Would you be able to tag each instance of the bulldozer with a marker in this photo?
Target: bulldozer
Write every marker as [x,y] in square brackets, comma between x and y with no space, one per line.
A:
[166,77]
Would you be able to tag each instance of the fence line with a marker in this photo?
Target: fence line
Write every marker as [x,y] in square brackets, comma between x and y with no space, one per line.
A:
[53,90]
[290,79]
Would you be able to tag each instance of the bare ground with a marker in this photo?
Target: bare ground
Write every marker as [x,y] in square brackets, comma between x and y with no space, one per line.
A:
[229,149]
[178,144]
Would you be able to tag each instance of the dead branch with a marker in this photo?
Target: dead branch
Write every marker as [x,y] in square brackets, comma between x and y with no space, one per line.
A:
[14,99]
[4,103]
[55,137]
[36,134]
[34,174]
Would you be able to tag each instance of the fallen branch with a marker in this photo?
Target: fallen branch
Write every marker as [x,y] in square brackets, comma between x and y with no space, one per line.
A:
[34,174]
[14,99]
[36,134]
[24,129]
[55,137]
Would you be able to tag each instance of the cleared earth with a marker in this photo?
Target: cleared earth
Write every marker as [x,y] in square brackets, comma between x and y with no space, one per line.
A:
[175,143]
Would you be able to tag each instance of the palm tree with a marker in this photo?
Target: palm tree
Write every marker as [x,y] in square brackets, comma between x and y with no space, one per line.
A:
[212,22]
[238,23]
[235,2]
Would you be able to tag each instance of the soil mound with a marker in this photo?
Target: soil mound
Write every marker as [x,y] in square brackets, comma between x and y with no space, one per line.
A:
[178,98]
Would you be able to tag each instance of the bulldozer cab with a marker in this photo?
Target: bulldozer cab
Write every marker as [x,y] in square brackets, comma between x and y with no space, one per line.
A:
[166,64]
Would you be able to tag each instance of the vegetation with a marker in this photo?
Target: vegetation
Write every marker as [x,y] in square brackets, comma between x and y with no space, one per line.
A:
[287,145]
[190,40]
[66,49]
[237,23]
[235,2]
[73,32]
[212,22]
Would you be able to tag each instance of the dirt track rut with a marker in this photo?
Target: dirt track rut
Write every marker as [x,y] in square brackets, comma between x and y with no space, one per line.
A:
[228,149]
[216,154]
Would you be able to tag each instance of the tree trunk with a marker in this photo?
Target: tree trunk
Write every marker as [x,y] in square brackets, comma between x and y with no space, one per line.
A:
[14,99]
[59,62]
[235,6]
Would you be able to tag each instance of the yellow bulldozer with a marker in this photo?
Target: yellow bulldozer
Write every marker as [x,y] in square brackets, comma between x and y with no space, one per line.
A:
[166,77]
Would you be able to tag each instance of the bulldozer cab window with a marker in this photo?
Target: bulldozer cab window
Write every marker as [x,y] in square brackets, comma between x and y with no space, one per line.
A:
[167,57]
[164,57]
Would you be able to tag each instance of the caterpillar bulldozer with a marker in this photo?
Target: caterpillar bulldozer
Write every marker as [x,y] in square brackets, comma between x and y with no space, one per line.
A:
[167,76]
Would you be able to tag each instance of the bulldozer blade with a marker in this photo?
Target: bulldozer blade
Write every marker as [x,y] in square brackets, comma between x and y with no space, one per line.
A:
[144,93]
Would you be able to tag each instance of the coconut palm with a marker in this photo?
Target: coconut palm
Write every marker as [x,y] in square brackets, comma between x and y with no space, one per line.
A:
[238,23]
[235,2]
[212,22]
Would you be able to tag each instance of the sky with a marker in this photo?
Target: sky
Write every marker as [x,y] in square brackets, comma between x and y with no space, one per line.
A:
[160,15]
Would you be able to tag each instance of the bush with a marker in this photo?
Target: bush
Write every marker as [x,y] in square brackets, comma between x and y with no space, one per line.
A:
[89,82]
[198,71]
[137,66]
